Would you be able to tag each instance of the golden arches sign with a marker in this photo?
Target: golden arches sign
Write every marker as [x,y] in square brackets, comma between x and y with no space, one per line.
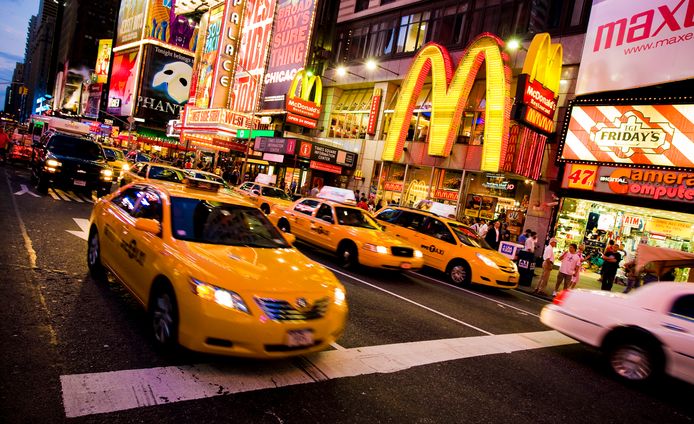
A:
[307,81]
[449,94]
[543,62]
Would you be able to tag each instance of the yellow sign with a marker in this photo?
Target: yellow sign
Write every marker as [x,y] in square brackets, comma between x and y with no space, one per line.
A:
[543,62]
[307,86]
[449,95]
[103,60]
[670,228]
[581,177]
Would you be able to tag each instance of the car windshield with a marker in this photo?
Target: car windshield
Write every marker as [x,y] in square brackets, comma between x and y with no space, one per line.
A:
[275,192]
[206,221]
[79,148]
[207,176]
[353,217]
[165,174]
[113,154]
[468,237]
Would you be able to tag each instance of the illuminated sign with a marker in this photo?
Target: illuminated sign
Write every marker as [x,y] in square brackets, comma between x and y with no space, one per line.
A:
[252,54]
[654,135]
[220,116]
[226,55]
[131,19]
[392,186]
[446,194]
[373,112]
[320,166]
[670,228]
[449,95]
[633,182]
[103,61]
[275,145]
[305,107]
[289,49]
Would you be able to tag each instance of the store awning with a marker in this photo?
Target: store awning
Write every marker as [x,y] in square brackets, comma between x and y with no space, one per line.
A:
[354,101]
[661,259]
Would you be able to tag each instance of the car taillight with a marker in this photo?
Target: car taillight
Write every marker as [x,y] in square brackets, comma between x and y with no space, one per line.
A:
[560,297]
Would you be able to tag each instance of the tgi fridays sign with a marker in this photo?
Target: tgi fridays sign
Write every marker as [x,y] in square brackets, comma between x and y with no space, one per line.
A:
[651,135]
[651,184]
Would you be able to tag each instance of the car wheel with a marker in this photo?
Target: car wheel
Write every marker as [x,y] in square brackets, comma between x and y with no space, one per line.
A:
[42,184]
[459,273]
[283,225]
[265,208]
[634,362]
[347,254]
[163,312]
[96,268]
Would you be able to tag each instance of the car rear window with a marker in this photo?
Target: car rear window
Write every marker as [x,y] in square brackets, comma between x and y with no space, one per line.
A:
[74,147]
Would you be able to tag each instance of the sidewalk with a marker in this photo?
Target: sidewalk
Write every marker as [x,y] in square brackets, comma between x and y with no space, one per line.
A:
[587,280]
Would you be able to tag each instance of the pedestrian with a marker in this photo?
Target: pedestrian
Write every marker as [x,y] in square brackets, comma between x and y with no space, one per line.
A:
[189,164]
[576,276]
[362,203]
[505,233]
[493,236]
[610,266]
[570,261]
[483,228]
[523,237]
[4,144]
[379,205]
[530,242]
[292,187]
[633,280]
[547,265]
[314,191]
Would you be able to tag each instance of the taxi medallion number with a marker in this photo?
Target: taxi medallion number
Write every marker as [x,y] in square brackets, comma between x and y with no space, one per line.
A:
[299,338]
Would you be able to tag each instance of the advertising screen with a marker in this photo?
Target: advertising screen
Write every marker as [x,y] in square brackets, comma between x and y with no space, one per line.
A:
[131,19]
[165,85]
[253,49]
[164,25]
[636,43]
[657,135]
[289,49]
[121,95]
[103,61]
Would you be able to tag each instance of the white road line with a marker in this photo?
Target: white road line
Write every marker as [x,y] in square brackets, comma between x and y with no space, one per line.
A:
[22,228]
[99,393]
[53,194]
[410,301]
[85,197]
[74,196]
[62,194]
[476,294]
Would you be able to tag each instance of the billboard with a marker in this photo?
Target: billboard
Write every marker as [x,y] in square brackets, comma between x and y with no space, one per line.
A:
[226,53]
[656,185]
[164,86]
[636,43]
[103,61]
[289,49]
[652,135]
[71,99]
[121,95]
[131,19]
[164,25]
[253,49]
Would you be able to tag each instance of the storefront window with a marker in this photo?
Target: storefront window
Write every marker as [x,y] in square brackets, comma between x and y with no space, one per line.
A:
[391,184]
[416,185]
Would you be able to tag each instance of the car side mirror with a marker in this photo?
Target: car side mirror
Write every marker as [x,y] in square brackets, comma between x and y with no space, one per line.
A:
[148,225]
[291,238]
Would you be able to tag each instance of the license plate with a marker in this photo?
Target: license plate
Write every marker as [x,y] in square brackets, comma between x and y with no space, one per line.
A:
[405,265]
[80,183]
[299,338]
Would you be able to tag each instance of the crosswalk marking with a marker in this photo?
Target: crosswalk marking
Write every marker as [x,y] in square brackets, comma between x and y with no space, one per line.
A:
[70,196]
[53,195]
[61,194]
[98,393]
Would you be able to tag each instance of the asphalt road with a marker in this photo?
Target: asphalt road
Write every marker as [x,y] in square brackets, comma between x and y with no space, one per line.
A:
[415,349]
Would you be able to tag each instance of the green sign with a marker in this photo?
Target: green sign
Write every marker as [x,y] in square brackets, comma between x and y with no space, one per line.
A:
[243,133]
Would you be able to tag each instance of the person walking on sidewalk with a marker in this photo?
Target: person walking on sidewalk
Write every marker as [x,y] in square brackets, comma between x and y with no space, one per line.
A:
[577,274]
[570,261]
[547,264]
[610,267]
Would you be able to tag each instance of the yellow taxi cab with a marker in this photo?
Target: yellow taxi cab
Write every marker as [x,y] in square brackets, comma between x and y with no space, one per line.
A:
[266,197]
[142,171]
[116,160]
[213,273]
[451,247]
[346,230]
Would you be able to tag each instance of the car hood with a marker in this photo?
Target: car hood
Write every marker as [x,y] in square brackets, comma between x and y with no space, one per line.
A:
[78,161]
[497,257]
[260,270]
[377,237]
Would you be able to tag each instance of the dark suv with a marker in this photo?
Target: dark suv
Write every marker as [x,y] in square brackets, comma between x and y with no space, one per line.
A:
[70,161]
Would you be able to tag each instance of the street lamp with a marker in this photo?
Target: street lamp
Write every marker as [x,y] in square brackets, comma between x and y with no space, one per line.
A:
[371,65]
[341,71]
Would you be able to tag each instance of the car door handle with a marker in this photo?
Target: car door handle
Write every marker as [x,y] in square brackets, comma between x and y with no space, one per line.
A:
[674,327]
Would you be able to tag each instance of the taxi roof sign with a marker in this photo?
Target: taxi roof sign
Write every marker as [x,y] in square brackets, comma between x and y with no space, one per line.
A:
[202,184]
[336,194]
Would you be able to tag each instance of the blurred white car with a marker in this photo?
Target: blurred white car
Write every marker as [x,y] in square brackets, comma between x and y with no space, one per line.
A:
[643,333]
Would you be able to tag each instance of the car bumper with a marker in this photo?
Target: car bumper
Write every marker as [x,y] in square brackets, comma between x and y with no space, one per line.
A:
[488,276]
[584,330]
[207,327]
[389,261]
[74,181]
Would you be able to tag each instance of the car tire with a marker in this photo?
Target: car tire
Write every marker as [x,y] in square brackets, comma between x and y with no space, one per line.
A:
[163,315]
[265,208]
[348,255]
[96,268]
[283,225]
[459,273]
[635,361]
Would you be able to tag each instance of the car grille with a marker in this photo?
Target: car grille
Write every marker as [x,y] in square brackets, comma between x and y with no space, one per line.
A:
[281,310]
[506,283]
[507,269]
[405,252]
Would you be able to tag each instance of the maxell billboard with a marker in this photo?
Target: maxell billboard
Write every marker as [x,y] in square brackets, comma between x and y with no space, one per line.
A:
[289,48]
[636,43]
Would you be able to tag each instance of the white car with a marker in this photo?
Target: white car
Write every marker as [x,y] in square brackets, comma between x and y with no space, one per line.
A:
[643,333]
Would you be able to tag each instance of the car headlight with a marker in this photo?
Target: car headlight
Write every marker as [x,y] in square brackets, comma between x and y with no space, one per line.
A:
[52,163]
[487,261]
[125,167]
[418,254]
[339,296]
[225,298]
[374,248]
[107,172]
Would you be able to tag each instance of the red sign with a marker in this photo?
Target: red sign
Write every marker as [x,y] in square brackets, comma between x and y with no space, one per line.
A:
[300,120]
[373,112]
[303,107]
[231,145]
[391,186]
[539,98]
[446,194]
[305,149]
[328,167]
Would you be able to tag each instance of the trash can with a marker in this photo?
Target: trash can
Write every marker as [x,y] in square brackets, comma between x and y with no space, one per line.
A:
[526,267]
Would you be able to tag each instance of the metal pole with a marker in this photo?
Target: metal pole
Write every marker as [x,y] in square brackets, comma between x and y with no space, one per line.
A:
[460,194]
[402,190]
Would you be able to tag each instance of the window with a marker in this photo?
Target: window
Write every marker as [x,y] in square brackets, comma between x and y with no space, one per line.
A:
[307,206]
[432,227]
[325,213]
[684,307]
[141,169]
[361,5]
[127,200]
[410,220]
[148,205]
[389,215]
[165,174]
[353,217]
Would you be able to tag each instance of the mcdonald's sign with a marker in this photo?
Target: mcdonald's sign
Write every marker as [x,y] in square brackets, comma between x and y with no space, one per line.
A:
[538,84]
[304,106]
[449,94]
